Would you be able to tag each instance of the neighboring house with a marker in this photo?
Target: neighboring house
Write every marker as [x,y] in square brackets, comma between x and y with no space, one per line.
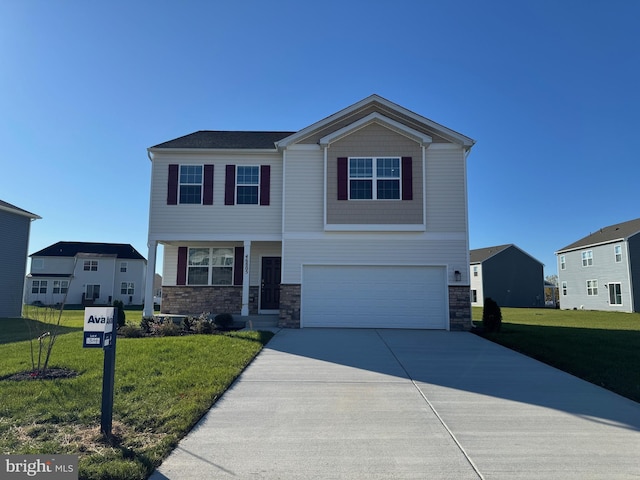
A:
[599,271]
[87,273]
[15,226]
[359,220]
[508,275]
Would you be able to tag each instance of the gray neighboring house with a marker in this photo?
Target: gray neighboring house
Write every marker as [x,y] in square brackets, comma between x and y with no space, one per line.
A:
[599,271]
[15,226]
[508,275]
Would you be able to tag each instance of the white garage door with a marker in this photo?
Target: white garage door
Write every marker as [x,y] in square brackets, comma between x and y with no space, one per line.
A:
[373,296]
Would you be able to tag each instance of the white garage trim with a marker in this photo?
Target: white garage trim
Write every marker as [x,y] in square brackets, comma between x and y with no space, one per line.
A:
[374,296]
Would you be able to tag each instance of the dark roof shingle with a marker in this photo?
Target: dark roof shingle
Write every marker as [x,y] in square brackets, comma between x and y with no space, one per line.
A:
[215,139]
[607,234]
[479,255]
[71,249]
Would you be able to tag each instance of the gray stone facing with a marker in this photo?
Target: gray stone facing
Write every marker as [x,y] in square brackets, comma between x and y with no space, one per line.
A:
[460,308]
[192,300]
[289,306]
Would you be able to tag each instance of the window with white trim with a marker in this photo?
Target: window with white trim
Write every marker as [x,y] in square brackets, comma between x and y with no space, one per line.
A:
[615,294]
[210,266]
[247,185]
[617,250]
[127,288]
[190,184]
[39,286]
[92,292]
[60,286]
[563,262]
[374,178]
[37,264]
[592,287]
[564,288]
[123,267]
[90,266]
[474,296]
[475,271]
[587,258]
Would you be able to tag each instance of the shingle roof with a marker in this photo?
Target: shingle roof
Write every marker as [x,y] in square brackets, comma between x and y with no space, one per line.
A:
[71,249]
[12,208]
[226,140]
[479,255]
[611,233]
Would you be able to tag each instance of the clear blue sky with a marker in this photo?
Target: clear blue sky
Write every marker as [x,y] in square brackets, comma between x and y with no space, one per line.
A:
[550,90]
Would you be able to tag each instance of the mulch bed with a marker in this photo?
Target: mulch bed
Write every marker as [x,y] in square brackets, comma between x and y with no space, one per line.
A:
[50,374]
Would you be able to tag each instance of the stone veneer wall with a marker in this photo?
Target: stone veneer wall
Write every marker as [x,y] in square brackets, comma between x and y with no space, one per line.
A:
[289,306]
[460,308]
[253,300]
[191,300]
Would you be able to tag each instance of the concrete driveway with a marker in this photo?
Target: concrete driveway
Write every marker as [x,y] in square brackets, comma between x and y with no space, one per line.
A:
[407,404]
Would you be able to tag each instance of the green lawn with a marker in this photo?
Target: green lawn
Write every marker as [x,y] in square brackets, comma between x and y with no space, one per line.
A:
[600,347]
[162,388]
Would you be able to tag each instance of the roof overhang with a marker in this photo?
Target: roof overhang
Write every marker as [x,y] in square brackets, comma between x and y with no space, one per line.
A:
[19,211]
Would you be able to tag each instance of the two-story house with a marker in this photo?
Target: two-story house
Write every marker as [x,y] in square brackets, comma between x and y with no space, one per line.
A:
[86,273]
[15,227]
[602,270]
[506,274]
[358,220]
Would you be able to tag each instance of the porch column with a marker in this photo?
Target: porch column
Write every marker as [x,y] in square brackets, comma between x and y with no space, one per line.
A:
[148,288]
[245,278]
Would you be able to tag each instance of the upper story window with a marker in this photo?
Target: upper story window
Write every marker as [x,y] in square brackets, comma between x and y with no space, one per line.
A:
[475,271]
[587,258]
[123,267]
[563,262]
[374,178]
[210,266]
[37,264]
[190,187]
[90,266]
[247,185]
[617,250]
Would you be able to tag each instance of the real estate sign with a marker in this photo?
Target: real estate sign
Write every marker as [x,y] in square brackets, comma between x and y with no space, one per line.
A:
[98,327]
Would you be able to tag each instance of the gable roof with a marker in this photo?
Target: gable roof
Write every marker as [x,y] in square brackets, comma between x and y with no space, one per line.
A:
[612,233]
[71,249]
[6,206]
[387,107]
[479,255]
[221,139]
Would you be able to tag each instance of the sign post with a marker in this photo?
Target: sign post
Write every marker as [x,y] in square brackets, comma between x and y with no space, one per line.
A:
[98,333]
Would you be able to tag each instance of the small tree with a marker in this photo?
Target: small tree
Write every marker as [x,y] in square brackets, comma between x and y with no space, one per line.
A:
[491,316]
[122,317]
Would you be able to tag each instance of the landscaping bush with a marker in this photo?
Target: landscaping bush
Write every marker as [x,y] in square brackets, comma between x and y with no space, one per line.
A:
[130,331]
[491,316]
[223,320]
[167,328]
[121,315]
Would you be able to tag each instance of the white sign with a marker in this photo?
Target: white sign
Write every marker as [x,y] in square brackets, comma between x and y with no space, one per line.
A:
[98,326]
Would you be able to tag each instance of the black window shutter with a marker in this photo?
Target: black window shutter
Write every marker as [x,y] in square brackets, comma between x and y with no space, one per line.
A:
[238,265]
[182,266]
[407,178]
[172,185]
[343,178]
[207,197]
[265,184]
[230,185]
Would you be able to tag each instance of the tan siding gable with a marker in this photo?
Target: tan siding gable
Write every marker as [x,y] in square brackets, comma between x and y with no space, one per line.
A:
[304,191]
[446,190]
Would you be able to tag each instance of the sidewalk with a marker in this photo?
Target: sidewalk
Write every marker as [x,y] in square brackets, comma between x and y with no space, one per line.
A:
[386,404]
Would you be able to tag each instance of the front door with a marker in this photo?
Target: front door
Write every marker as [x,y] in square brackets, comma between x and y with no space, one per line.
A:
[270,285]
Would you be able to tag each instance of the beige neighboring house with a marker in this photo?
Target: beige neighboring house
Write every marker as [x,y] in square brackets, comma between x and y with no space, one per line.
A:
[358,220]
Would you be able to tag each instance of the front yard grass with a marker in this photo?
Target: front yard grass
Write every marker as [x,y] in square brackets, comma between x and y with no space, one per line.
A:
[162,388]
[600,347]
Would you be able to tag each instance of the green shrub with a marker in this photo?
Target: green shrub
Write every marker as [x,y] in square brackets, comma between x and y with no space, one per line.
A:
[167,329]
[145,324]
[131,331]
[223,320]
[491,316]
[203,326]
[121,315]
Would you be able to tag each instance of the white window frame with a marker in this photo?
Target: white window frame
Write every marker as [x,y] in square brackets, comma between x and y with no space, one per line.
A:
[190,184]
[37,264]
[40,287]
[617,252]
[210,265]
[592,288]
[474,296]
[587,258]
[62,286]
[124,266]
[127,288]
[564,289]
[616,295]
[563,262]
[252,185]
[90,266]
[475,271]
[86,291]
[374,178]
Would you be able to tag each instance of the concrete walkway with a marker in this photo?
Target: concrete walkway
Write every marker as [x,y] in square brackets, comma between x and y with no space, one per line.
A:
[407,404]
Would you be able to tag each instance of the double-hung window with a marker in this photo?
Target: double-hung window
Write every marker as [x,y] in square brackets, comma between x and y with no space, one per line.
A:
[374,178]
[618,253]
[564,288]
[563,262]
[587,258]
[127,288]
[592,287]
[90,266]
[247,185]
[60,286]
[190,184]
[210,266]
[123,267]
[39,286]
[615,294]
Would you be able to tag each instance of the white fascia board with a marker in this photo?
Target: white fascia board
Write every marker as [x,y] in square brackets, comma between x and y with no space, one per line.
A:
[22,213]
[233,151]
[375,117]
[591,245]
[175,239]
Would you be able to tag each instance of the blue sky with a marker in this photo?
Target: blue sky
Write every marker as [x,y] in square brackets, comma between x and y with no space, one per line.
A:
[548,89]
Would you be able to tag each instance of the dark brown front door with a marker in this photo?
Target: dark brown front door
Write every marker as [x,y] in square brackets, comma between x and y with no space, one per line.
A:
[270,291]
